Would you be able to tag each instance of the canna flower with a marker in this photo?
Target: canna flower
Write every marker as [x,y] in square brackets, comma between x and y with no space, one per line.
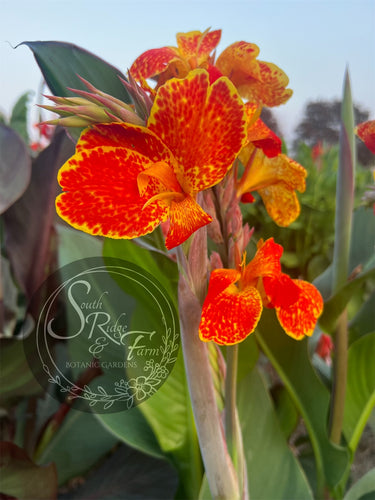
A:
[257,81]
[124,180]
[269,172]
[366,132]
[193,51]
[235,299]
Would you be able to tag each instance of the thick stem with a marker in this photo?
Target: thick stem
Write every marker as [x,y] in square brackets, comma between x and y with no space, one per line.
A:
[218,465]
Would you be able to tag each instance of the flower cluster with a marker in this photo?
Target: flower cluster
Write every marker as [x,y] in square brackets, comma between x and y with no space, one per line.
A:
[138,166]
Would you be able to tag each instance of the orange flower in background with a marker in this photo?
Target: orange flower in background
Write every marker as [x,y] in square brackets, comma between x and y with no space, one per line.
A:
[193,51]
[366,132]
[124,180]
[257,81]
[235,299]
[276,180]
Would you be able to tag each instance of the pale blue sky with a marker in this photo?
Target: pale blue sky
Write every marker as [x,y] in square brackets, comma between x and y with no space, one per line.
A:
[312,41]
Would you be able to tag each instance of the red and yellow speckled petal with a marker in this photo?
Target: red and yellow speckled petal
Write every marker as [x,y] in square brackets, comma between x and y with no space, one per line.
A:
[366,132]
[188,43]
[266,262]
[299,319]
[281,290]
[269,89]
[153,62]
[186,217]
[208,43]
[232,315]
[128,136]
[238,62]
[263,138]
[101,194]
[204,126]
[281,203]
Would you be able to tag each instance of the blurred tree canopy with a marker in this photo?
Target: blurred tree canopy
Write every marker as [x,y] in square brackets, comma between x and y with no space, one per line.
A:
[321,124]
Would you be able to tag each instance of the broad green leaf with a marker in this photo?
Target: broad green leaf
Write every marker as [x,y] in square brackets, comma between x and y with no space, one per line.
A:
[363,487]
[80,442]
[20,476]
[334,306]
[61,62]
[364,321]
[361,249]
[312,398]
[360,391]
[18,119]
[132,428]
[273,471]
[75,245]
[15,167]
[16,378]
[156,263]
[176,437]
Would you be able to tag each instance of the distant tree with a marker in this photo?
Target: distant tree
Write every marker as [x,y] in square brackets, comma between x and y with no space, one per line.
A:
[321,124]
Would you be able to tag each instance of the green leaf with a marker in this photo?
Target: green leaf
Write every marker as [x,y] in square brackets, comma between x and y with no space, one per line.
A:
[80,442]
[265,446]
[363,487]
[364,321]
[15,167]
[20,476]
[75,245]
[18,119]
[128,474]
[334,306]
[360,391]
[16,378]
[132,428]
[158,264]
[312,398]
[177,436]
[61,62]
[344,190]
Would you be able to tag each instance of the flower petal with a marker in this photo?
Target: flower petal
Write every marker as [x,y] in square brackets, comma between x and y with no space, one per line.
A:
[299,319]
[100,180]
[266,262]
[238,62]
[269,89]
[204,126]
[281,290]
[281,203]
[366,132]
[196,46]
[186,217]
[102,195]
[153,62]
[231,315]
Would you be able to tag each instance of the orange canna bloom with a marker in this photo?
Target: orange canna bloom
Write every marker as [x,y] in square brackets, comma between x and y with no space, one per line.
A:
[124,180]
[366,132]
[257,81]
[272,174]
[193,51]
[235,299]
